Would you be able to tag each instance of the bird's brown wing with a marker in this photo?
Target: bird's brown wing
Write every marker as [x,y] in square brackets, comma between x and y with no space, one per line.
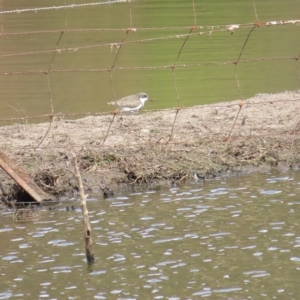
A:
[132,103]
[127,101]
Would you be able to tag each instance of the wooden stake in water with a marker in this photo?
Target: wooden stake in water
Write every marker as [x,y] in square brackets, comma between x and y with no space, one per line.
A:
[85,213]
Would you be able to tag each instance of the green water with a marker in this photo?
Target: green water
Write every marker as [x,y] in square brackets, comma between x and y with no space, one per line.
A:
[204,72]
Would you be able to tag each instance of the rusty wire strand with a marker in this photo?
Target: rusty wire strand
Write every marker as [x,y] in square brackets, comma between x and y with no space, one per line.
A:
[119,49]
[175,87]
[46,133]
[114,63]
[183,44]
[255,11]
[237,61]
[50,95]
[241,104]
[130,14]
[224,28]
[194,13]
[108,129]
[66,19]
[297,66]
[217,28]
[1,21]
[173,126]
[195,65]
[174,78]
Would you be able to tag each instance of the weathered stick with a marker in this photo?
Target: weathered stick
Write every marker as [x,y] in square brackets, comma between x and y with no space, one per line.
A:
[85,213]
[23,179]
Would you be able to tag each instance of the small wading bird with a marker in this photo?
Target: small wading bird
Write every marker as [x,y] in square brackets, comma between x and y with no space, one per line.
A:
[132,103]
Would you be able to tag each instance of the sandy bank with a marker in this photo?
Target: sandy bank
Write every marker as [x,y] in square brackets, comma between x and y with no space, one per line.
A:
[161,146]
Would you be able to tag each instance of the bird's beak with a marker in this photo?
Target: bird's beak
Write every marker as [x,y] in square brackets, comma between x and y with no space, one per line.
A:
[150,100]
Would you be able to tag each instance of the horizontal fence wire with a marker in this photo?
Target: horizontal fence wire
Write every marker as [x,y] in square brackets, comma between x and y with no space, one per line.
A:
[37,9]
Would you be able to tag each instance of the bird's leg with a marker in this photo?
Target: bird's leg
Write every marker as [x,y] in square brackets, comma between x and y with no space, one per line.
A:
[119,112]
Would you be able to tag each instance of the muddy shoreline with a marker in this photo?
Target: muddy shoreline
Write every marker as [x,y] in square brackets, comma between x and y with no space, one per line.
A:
[157,148]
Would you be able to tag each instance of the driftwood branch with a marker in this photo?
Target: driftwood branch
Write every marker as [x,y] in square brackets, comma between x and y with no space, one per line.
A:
[85,213]
[22,179]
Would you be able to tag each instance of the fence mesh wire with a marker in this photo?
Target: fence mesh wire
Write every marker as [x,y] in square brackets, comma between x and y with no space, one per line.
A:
[237,120]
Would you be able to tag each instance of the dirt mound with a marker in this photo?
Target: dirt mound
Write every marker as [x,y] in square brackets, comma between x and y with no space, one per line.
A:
[156,147]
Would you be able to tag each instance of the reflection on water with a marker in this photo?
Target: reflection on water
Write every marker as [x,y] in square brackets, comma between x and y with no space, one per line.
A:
[229,238]
[204,73]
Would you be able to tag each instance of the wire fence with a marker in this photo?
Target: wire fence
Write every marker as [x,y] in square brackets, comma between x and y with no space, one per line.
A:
[225,121]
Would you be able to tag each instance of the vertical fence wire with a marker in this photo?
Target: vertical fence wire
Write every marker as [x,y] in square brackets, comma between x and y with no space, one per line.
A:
[255,11]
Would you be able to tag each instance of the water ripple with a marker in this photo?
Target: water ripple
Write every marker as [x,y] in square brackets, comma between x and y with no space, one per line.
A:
[180,243]
[270,192]
[168,240]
